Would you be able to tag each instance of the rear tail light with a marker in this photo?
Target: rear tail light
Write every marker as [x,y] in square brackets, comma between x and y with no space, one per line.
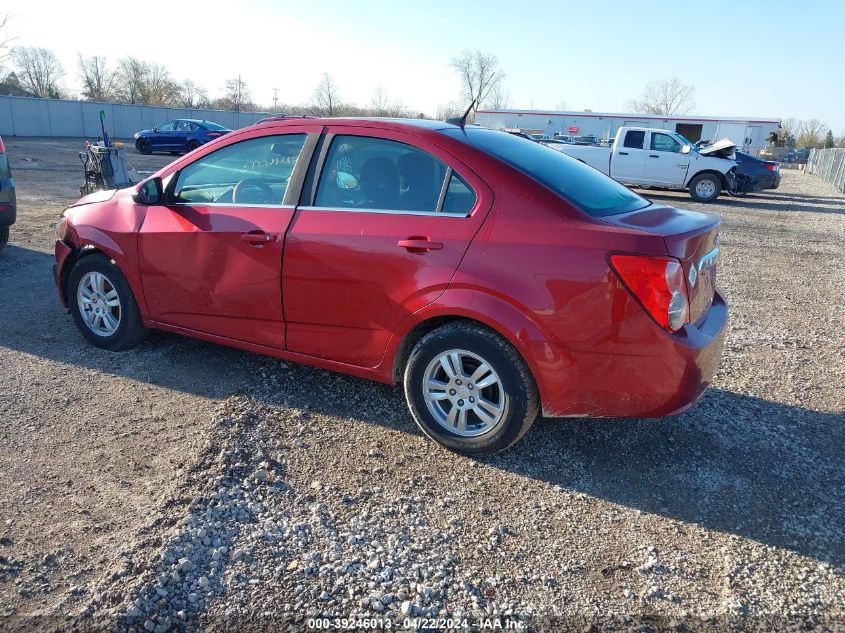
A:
[213,134]
[771,167]
[658,284]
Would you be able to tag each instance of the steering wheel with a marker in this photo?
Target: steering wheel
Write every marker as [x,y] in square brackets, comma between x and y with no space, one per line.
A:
[252,182]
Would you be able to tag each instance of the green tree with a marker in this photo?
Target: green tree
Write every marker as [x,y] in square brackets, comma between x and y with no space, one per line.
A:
[828,140]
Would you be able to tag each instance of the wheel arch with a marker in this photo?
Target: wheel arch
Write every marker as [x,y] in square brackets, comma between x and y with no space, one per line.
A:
[504,319]
[722,177]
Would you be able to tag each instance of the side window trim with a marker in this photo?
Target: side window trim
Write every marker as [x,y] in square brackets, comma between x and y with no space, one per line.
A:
[315,170]
[444,187]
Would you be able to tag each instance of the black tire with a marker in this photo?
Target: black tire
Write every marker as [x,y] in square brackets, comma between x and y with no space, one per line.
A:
[4,236]
[130,330]
[519,398]
[142,146]
[192,145]
[703,182]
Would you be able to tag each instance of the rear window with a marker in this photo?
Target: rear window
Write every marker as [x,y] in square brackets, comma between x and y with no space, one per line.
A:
[585,187]
[214,127]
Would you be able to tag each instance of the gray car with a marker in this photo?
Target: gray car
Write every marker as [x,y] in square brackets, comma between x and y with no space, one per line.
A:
[8,202]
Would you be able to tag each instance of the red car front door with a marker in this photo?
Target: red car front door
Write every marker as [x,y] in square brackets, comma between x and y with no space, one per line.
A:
[384,231]
[210,259]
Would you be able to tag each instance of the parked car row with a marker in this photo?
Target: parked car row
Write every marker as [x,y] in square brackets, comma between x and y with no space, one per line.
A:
[377,248]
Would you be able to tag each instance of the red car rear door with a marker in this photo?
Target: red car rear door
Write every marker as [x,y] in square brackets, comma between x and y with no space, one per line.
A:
[387,220]
[210,259]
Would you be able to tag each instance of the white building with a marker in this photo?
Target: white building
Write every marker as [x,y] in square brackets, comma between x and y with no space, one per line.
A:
[750,133]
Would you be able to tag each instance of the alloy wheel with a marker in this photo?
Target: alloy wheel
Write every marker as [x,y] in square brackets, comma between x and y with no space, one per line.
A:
[464,393]
[99,303]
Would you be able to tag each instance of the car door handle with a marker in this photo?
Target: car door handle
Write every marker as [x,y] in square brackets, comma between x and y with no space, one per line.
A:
[258,237]
[623,153]
[420,244]
[653,156]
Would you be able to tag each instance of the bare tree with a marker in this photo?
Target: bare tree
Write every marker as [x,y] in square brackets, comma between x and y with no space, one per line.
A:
[5,53]
[380,102]
[479,73]
[325,100]
[789,128]
[138,81]
[665,96]
[810,133]
[98,82]
[191,95]
[39,70]
[498,98]
[449,111]
[237,95]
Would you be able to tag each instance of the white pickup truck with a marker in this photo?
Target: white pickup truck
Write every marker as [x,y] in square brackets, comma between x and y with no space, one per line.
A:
[647,157]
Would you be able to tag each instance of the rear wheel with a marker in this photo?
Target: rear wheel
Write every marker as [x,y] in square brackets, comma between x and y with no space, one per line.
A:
[143,146]
[192,145]
[102,304]
[705,187]
[4,236]
[470,390]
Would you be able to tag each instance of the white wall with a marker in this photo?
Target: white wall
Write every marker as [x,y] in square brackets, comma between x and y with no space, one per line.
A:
[28,116]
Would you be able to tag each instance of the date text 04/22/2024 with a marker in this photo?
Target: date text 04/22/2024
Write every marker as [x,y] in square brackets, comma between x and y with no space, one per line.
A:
[415,623]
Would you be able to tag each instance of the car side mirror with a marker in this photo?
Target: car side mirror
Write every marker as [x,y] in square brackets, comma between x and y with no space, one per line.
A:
[686,149]
[155,129]
[151,192]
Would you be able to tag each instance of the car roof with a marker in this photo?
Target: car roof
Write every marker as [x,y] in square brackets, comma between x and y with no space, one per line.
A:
[196,121]
[382,122]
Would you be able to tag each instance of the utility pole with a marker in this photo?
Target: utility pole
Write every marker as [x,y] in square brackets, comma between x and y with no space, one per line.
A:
[275,99]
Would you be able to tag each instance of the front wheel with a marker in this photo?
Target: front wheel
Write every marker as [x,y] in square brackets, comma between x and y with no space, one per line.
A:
[705,187]
[102,304]
[143,146]
[470,390]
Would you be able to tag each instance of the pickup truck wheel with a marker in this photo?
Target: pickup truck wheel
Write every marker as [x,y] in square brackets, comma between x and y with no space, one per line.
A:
[470,390]
[705,187]
[102,304]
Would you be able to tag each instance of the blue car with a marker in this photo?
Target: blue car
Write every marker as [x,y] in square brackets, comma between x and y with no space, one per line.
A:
[178,136]
[755,174]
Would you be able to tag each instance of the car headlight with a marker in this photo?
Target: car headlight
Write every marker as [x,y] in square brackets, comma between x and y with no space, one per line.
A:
[61,229]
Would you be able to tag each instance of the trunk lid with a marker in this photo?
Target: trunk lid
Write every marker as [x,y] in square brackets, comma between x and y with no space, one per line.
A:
[690,236]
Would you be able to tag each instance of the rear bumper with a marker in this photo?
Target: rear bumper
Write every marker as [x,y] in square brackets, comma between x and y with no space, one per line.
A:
[666,380]
[62,251]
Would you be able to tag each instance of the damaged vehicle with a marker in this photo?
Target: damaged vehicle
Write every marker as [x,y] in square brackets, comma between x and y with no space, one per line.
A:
[493,278]
[8,202]
[662,159]
[754,174]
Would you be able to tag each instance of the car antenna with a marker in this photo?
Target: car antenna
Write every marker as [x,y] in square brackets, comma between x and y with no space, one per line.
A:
[462,121]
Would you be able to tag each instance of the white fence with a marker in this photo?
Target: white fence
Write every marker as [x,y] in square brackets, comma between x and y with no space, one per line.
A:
[828,164]
[29,116]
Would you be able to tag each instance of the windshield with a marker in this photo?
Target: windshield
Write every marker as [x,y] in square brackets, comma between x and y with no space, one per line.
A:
[213,126]
[585,187]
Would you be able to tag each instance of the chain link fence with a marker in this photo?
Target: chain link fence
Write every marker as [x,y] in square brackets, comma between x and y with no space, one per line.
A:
[828,164]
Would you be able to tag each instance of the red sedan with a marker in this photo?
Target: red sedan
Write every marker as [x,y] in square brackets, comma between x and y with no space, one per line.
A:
[493,277]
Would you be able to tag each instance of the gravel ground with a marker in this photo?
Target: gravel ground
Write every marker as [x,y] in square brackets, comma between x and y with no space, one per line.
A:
[185,486]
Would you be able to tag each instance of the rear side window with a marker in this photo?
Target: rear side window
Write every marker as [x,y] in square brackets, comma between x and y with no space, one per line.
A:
[585,187]
[250,172]
[379,174]
[634,139]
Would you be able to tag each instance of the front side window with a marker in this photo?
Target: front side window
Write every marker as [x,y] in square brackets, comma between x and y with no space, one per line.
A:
[664,143]
[166,127]
[634,139]
[375,173]
[250,172]
[587,188]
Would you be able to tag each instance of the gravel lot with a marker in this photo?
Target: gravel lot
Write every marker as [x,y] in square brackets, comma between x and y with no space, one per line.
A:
[186,486]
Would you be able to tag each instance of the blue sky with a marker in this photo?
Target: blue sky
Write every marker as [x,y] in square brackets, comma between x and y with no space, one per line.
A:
[595,55]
